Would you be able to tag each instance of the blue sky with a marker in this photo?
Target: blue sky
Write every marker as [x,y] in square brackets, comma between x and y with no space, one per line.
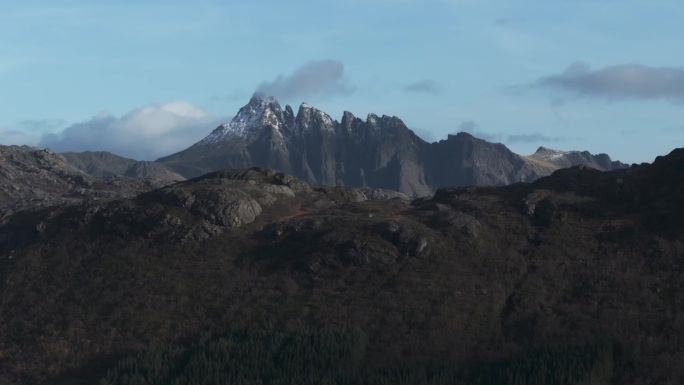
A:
[148,78]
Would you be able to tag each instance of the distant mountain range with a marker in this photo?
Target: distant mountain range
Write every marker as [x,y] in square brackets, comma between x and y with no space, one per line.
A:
[105,165]
[380,152]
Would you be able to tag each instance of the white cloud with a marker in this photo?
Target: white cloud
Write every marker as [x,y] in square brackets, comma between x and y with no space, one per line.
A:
[146,133]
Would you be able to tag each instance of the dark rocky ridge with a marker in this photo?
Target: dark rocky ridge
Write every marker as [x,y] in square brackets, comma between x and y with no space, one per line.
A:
[379,152]
[31,178]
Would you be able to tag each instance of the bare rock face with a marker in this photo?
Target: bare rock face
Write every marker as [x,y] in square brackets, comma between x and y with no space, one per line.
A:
[228,208]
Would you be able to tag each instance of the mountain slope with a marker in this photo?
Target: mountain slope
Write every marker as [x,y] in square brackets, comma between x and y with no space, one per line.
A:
[563,159]
[465,160]
[378,152]
[103,164]
[463,279]
[33,179]
[40,176]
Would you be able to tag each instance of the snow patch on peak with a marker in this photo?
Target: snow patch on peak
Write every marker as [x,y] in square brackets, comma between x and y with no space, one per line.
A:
[372,119]
[261,111]
[549,153]
[383,127]
[546,149]
[308,114]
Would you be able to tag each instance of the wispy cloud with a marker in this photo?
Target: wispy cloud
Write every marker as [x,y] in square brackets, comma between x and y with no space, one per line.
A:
[509,20]
[424,134]
[475,130]
[672,129]
[145,133]
[230,97]
[427,86]
[29,132]
[532,138]
[41,125]
[623,81]
[10,137]
[315,78]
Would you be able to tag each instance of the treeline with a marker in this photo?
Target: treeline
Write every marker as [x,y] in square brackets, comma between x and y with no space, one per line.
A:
[336,357]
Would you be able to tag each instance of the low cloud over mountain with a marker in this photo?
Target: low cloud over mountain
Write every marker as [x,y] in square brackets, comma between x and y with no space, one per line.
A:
[145,133]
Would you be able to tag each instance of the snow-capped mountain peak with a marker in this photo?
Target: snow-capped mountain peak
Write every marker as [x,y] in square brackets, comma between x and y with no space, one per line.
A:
[262,110]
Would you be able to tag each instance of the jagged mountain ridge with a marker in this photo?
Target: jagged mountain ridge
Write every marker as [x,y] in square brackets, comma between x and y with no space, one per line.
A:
[311,145]
[380,152]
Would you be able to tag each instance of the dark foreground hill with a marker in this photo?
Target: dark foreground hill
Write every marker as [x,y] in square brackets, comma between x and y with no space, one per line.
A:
[253,276]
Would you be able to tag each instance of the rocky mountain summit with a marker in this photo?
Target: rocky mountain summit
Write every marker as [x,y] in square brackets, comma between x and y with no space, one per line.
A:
[579,261]
[378,152]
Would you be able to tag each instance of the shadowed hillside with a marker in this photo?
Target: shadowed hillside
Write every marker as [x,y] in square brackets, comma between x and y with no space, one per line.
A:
[583,263]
